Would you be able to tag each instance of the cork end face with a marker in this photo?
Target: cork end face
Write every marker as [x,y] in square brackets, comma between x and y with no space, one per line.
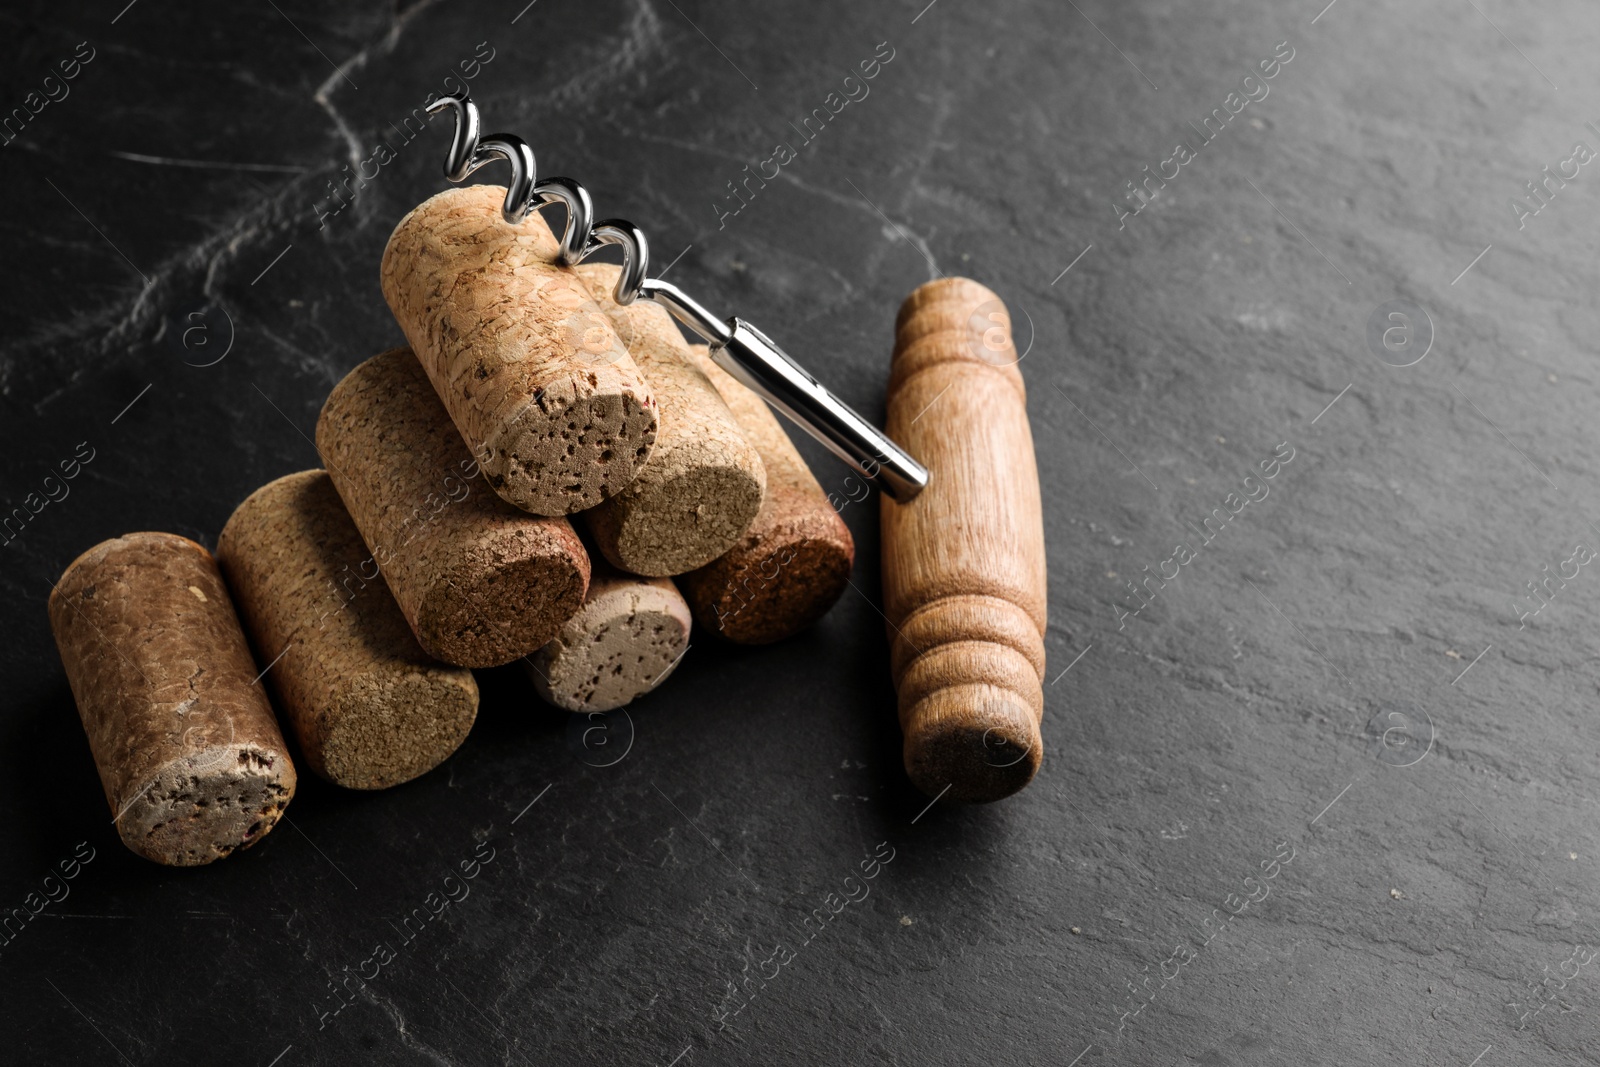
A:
[685,522]
[973,744]
[558,458]
[491,612]
[389,730]
[777,595]
[623,645]
[206,805]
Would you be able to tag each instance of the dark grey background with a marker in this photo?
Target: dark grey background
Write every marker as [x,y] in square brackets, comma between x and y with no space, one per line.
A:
[1430,915]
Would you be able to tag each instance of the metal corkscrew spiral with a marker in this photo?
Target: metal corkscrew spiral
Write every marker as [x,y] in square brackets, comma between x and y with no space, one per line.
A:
[736,346]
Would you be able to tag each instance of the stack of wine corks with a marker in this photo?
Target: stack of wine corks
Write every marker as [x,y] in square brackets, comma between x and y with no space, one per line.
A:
[358,598]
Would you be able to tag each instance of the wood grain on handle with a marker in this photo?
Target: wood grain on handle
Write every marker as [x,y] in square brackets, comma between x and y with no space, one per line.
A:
[963,562]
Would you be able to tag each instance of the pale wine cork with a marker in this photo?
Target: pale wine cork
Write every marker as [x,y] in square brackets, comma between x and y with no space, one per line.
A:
[188,750]
[628,637]
[704,482]
[794,561]
[535,378]
[481,582]
[369,707]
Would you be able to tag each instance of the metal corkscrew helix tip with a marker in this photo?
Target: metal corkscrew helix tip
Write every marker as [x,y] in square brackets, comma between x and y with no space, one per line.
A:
[736,346]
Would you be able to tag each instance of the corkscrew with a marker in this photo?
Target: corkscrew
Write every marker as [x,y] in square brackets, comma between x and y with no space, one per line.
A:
[736,346]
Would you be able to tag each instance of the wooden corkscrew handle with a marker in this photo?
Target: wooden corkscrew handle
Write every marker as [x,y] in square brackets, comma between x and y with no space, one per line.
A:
[963,563]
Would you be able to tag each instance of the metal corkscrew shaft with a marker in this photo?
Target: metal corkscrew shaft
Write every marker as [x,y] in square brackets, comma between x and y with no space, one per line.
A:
[739,348]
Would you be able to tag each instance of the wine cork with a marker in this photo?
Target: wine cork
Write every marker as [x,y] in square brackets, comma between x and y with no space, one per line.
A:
[628,637]
[963,562]
[188,750]
[481,582]
[533,374]
[704,483]
[794,561]
[368,706]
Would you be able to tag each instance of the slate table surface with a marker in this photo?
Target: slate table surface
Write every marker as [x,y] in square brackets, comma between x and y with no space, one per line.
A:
[1328,797]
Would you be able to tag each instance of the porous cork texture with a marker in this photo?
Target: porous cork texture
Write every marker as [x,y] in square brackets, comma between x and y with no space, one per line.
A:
[704,482]
[538,384]
[480,582]
[188,750]
[628,638]
[369,707]
[794,561]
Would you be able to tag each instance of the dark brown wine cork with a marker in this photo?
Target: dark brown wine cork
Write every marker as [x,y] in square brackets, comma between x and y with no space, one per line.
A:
[704,482]
[535,378]
[189,753]
[368,706]
[481,582]
[794,561]
[628,637]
